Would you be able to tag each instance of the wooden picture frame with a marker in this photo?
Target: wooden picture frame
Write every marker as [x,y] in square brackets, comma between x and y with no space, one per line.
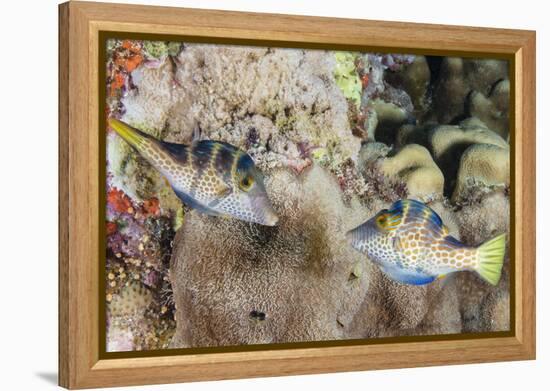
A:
[80,25]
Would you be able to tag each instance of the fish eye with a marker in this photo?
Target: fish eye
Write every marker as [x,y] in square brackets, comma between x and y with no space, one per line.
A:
[381,220]
[246,183]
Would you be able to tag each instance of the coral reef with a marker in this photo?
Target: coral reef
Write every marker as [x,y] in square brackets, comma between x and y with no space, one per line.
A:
[414,134]
[378,185]
[132,325]
[133,298]
[393,309]
[390,117]
[383,107]
[339,136]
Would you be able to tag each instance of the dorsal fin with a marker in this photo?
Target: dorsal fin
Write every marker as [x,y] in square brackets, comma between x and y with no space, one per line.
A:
[177,151]
[201,147]
[416,210]
[454,241]
[207,145]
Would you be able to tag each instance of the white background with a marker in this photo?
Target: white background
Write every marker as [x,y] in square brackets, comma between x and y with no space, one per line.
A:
[28,214]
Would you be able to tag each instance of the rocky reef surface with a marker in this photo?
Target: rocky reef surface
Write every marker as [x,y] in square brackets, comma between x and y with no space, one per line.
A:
[338,135]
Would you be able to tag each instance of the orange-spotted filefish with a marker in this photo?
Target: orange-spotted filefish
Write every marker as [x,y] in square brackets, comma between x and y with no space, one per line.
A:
[411,245]
[212,177]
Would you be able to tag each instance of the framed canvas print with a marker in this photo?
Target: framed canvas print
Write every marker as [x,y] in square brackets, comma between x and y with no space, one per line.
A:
[251,195]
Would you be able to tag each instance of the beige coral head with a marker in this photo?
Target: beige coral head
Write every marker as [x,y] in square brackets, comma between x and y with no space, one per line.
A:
[471,131]
[482,164]
[414,165]
[493,109]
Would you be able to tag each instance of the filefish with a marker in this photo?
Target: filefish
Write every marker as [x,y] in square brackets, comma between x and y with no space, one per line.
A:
[213,177]
[411,245]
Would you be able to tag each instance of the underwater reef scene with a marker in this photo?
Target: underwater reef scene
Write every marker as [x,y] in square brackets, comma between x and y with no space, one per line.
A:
[311,154]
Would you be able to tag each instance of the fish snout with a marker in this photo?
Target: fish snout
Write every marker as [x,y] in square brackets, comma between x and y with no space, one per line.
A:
[358,236]
[349,237]
[271,219]
[262,210]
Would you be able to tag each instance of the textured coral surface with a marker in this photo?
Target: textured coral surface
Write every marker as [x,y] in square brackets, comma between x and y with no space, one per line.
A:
[338,136]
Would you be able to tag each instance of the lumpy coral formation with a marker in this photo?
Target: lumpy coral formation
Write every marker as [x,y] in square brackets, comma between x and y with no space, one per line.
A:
[492,109]
[338,136]
[139,314]
[284,103]
[458,78]
[303,279]
[414,165]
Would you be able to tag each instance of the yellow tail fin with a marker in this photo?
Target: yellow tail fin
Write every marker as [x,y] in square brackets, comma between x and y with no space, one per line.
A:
[132,136]
[491,257]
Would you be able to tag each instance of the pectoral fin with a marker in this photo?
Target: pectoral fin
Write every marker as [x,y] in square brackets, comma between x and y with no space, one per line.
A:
[193,203]
[223,191]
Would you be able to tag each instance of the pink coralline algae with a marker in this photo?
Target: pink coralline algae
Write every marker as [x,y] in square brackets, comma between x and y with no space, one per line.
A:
[139,241]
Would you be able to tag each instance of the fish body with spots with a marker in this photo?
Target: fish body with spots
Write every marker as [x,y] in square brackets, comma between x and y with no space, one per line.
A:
[213,177]
[411,245]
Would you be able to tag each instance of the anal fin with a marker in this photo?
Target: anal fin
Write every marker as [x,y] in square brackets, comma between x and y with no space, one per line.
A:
[407,276]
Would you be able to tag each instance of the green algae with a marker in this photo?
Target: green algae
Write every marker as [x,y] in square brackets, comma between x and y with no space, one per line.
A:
[178,219]
[347,79]
[160,49]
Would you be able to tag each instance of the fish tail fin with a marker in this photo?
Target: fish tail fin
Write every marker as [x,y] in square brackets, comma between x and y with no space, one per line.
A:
[132,136]
[491,257]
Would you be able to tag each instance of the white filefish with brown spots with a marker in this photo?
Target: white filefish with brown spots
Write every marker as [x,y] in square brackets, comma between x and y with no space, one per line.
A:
[412,246]
[212,177]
